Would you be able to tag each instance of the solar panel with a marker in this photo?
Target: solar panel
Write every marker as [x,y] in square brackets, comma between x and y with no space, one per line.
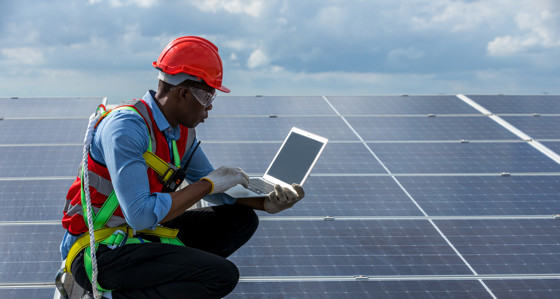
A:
[498,246]
[414,196]
[353,196]
[271,105]
[523,104]
[36,131]
[347,248]
[462,158]
[399,105]
[555,146]
[544,127]
[485,195]
[267,129]
[74,107]
[364,289]
[428,128]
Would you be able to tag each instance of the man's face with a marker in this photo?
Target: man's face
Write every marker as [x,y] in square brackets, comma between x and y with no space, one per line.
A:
[191,110]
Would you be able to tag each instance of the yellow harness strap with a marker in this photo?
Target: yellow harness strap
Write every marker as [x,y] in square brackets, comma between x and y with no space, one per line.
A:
[162,168]
[104,233]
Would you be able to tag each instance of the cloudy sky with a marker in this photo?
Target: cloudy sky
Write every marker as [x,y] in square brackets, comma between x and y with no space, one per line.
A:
[285,47]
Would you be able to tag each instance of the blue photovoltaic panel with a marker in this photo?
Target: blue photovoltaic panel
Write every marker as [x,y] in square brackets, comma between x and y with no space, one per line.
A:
[360,289]
[462,158]
[42,131]
[32,250]
[347,158]
[27,293]
[352,196]
[472,195]
[543,127]
[394,105]
[40,161]
[525,104]
[372,233]
[554,146]
[255,157]
[528,246]
[529,288]
[251,157]
[425,128]
[272,129]
[334,248]
[48,107]
[271,105]
[32,200]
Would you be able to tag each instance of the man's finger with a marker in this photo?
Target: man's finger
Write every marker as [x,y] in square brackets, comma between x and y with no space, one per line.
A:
[299,190]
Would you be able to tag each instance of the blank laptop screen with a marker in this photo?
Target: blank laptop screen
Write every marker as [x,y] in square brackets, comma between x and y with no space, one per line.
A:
[295,158]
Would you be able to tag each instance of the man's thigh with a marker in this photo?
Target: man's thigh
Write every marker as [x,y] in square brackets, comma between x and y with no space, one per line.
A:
[138,266]
[220,230]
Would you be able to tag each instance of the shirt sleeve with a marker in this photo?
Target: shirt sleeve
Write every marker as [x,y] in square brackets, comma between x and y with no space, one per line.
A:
[200,167]
[119,143]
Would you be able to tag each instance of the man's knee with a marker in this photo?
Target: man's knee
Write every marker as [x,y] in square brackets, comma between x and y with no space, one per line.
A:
[227,279]
[250,217]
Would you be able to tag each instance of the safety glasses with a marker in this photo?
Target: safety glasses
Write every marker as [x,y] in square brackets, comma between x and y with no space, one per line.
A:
[203,97]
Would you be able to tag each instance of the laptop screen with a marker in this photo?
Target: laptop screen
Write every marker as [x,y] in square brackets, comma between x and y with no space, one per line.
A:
[295,158]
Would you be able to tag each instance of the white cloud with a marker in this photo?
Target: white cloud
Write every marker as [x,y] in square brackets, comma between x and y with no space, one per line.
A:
[253,8]
[538,31]
[257,59]
[454,16]
[24,55]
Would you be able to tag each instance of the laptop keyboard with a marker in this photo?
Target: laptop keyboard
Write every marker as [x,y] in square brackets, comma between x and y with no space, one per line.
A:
[260,186]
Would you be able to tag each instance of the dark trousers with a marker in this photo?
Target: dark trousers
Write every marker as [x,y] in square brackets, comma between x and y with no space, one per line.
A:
[199,270]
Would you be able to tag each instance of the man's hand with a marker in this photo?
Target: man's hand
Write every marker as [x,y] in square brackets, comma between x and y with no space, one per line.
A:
[226,177]
[282,198]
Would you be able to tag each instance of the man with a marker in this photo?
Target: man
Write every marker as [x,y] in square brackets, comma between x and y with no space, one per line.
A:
[136,260]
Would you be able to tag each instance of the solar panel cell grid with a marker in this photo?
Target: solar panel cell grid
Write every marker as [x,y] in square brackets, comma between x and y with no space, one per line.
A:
[462,158]
[498,225]
[48,107]
[543,127]
[353,196]
[507,246]
[524,104]
[331,248]
[272,129]
[32,200]
[468,195]
[270,105]
[33,253]
[42,131]
[399,105]
[428,128]
[358,289]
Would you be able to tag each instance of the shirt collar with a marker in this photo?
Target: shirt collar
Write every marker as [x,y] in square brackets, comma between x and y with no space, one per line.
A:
[159,118]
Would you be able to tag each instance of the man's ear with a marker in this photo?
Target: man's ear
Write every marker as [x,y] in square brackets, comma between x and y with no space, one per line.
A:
[183,93]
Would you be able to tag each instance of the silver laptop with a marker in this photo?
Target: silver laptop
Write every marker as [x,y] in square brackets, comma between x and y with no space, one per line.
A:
[292,164]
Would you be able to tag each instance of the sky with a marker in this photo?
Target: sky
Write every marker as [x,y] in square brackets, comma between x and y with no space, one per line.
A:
[69,48]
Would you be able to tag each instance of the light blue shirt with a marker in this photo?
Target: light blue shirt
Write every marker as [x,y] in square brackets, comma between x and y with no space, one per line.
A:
[119,142]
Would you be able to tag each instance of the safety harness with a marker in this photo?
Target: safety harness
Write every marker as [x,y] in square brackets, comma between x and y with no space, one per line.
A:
[170,175]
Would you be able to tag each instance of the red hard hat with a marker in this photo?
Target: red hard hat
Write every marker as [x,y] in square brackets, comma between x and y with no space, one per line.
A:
[195,56]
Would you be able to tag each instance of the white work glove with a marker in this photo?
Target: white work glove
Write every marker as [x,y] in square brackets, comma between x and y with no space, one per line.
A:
[226,177]
[282,198]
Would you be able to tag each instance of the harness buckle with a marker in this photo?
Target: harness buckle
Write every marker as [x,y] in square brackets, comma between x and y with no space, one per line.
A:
[118,239]
[167,177]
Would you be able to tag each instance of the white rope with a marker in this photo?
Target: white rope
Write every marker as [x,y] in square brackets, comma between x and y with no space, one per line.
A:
[87,144]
